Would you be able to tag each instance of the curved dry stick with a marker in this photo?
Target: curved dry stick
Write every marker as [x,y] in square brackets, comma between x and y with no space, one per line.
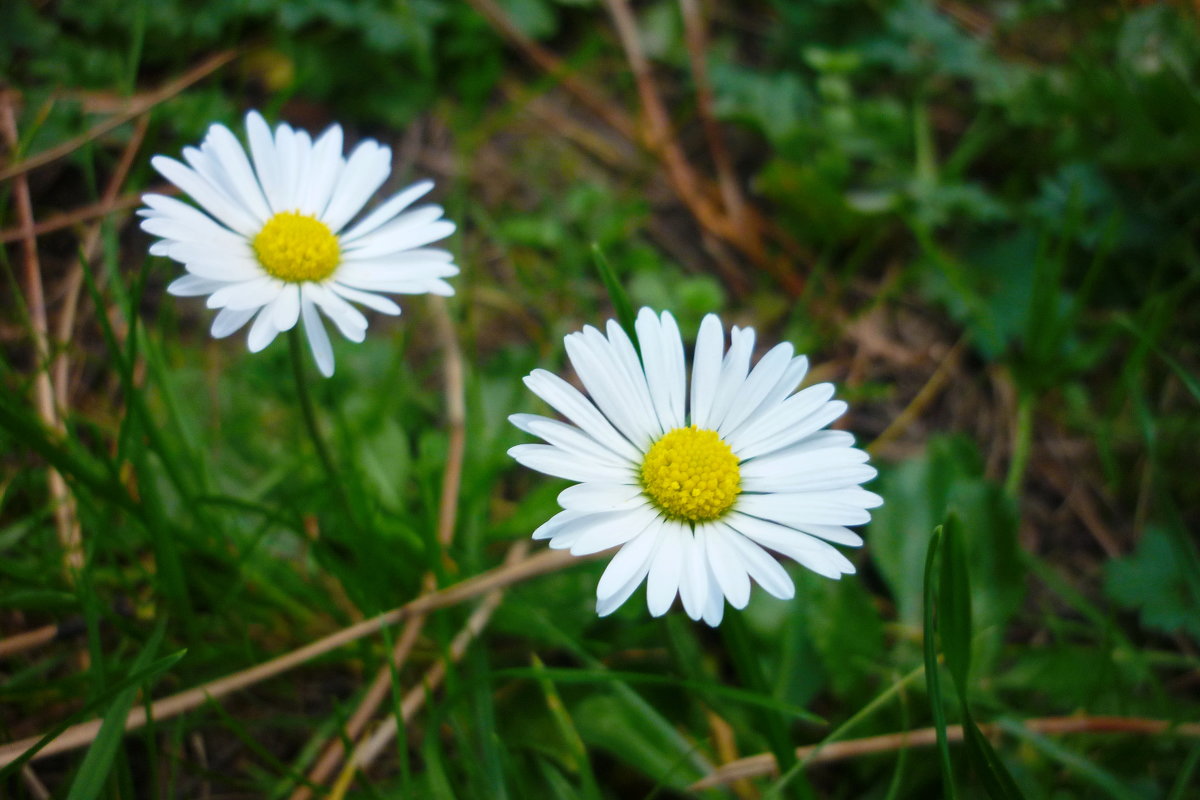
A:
[696,37]
[764,763]
[67,219]
[922,399]
[28,640]
[82,734]
[91,242]
[553,65]
[136,108]
[456,420]
[66,521]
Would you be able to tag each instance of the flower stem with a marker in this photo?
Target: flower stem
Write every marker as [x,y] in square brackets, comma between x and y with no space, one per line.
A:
[295,348]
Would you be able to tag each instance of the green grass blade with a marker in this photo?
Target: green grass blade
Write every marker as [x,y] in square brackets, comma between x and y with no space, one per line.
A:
[93,773]
[744,696]
[135,678]
[954,605]
[933,678]
[616,293]
[1101,778]
[995,776]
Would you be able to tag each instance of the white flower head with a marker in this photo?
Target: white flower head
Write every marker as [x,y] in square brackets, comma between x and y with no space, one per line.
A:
[270,240]
[692,485]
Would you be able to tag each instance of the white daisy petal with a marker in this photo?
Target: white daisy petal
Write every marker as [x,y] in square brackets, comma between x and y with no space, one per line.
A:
[706,369]
[263,331]
[213,200]
[286,156]
[662,583]
[286,308]
[326,167]
[566,400]
[811,471]
[388,241]
[571,439]
[627,570]
[664,376]
[318,338]
[790,421]
[734,369]
[560,464]
[714,609]
[602,370]
[555,525]
[193,286]
[838,534]
[693,581]
[366,170]
[266,161]
[762,568]
[348,319]
[373,301]
[761,381]
[794,510]
[695,497]
[229,321]
[596,497]
[253,293]
[231,158]
[388,210]
[400,229]
[727,567]
[599,532]
[820,557]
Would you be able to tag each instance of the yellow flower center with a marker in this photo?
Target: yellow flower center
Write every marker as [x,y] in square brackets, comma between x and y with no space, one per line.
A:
[295,247]
[691,474]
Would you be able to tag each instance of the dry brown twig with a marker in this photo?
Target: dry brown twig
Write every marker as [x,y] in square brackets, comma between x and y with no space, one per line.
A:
[696,38]
[66,521]
[136,107]
[68,219]
[91,244]
[28,640]
[928,393]
[764,763]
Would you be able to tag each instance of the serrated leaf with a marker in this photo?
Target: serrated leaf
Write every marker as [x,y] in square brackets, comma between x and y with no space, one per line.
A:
[1154,581]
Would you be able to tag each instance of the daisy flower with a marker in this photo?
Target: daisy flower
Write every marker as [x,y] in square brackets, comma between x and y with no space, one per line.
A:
[270,240]
[693,485]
